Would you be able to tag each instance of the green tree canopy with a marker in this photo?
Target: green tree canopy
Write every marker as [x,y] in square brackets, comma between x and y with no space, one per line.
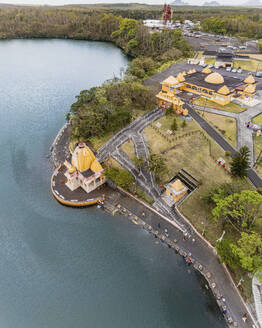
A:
[241,162]
[249,251]
[241,210]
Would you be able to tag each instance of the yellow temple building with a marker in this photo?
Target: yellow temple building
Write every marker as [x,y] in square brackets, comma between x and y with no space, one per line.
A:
[176,190]
[207,84]
[84,171]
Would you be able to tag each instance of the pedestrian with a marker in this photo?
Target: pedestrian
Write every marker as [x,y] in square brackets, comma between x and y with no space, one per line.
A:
[143,213]
[159,225]
[244,318]
[193,240]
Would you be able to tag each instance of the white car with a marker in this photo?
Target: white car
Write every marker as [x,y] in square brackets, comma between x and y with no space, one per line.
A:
[228,69]
[239,70]
[210,66]
[234,70]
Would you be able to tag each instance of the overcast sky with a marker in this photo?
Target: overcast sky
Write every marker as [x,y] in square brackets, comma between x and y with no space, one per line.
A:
[62,2]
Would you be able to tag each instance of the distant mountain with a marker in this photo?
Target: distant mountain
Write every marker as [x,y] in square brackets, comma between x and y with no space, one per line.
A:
[179,3]
[211,4]
[252,3]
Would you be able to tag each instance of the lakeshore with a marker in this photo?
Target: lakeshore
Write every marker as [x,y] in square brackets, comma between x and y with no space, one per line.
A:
[204,258]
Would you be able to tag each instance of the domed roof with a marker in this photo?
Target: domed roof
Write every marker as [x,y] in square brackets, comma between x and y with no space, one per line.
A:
[206,70]
[170,80]
[180,77]
[224,90]
[250,79]
[83,159]
[214,78]
[250,88]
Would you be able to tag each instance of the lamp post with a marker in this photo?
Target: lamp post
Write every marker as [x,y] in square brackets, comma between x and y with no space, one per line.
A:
[222,236]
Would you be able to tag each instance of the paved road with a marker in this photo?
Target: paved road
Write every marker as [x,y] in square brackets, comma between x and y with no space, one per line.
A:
[199,250]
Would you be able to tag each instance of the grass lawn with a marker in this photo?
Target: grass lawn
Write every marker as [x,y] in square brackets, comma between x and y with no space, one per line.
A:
[257,149]
[258,119]
[192,154]
[167,120]
[253,56]
[199,55]
[225,125]
[129,149]
[231,107]
[258,144]
[249,65]
[210,61]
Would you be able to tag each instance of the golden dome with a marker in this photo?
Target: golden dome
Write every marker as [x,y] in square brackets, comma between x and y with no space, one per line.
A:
[250,89]
[96,166]
[214,78]
[207,70]
[250,79]
[224,90]
[180,77]
[170,80]
[83,158]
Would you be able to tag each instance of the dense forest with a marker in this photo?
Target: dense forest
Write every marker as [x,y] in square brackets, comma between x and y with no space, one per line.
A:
[108,108]
[129,34]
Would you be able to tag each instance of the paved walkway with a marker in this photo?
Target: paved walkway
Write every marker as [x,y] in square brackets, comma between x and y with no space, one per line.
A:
[252,175]
[200,251]
[244,135]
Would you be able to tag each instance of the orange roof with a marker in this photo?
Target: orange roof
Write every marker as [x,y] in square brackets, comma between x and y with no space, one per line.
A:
[206,70]
[250,88]
[170,80]
[214,78]
[224,90]
[250,79]
[83,159]
[177,185]
[180,77]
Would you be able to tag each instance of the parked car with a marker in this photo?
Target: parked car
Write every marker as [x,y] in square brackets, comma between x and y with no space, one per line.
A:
[259,74]
[234,70]
[210,66]
[242,47]
[239,70]
[228,69]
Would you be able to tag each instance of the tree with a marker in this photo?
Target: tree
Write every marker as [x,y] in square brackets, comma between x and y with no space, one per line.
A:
[259,45]
[139,162]
[184,124]
[174,126]
[122,178]
[241,210]
[241,162]
[226,254]
[156,164]
[249,251]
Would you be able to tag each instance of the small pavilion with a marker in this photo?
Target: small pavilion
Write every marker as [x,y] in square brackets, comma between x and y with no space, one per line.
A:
[175,190]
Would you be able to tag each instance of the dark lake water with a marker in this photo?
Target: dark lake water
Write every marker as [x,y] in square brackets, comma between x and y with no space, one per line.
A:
[62,267]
